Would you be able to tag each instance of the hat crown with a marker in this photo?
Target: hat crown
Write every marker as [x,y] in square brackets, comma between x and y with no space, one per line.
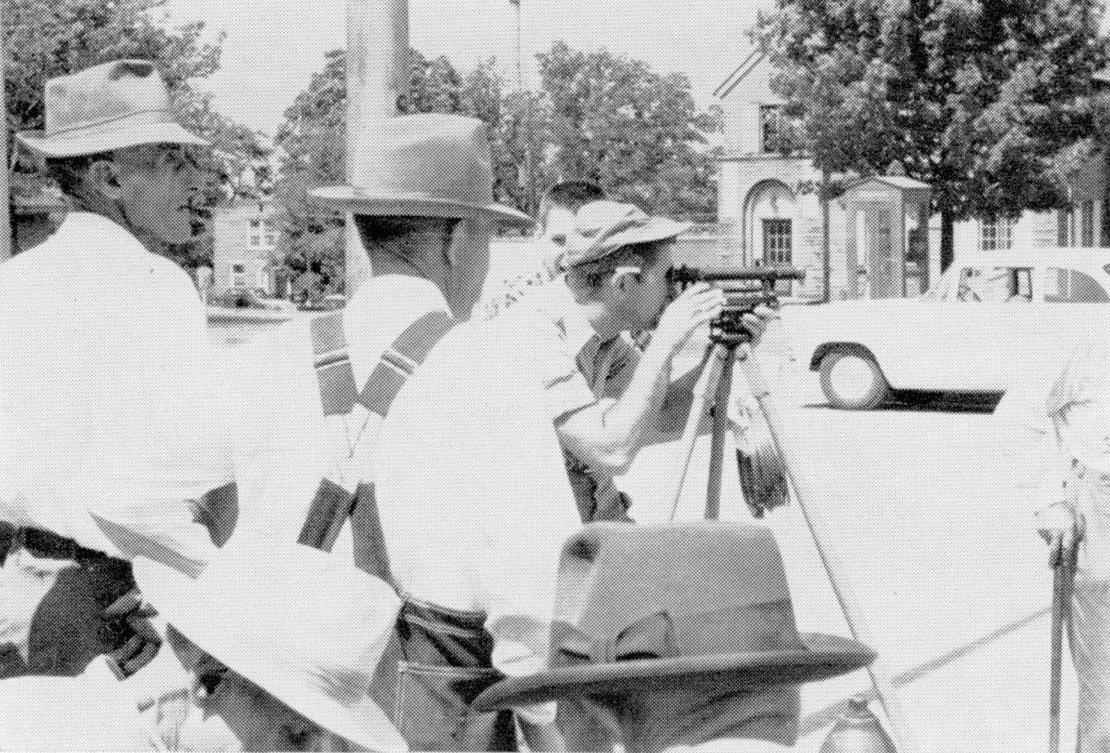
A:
[614,580]
[110,106]
[432,155]
[123,90]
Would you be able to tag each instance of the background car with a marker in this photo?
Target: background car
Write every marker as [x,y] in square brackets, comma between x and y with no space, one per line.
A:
[988,317]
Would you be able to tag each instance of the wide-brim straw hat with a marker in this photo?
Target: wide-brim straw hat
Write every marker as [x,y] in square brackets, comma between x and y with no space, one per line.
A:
[305,626]
[109,106]
[648,606]
[426,165]
[603,227]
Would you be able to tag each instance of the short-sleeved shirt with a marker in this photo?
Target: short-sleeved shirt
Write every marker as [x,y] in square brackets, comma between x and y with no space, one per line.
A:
[471,493]
[577,369]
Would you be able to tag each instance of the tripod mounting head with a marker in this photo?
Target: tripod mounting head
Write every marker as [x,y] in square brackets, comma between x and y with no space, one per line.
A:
[745,289]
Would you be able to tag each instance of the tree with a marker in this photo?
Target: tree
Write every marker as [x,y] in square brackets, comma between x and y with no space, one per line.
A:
[50,38]
[633,131]
[974,98]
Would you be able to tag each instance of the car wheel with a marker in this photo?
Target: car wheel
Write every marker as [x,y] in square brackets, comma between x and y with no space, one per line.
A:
[852,380]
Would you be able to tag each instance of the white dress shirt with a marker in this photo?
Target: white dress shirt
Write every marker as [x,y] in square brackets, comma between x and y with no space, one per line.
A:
[106,395]
[282,441]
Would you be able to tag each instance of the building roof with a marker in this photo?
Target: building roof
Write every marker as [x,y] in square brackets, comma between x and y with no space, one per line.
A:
[740,73]
[896,181]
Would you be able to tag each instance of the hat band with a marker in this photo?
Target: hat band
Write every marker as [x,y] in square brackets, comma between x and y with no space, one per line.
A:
[661,635]
[96,124]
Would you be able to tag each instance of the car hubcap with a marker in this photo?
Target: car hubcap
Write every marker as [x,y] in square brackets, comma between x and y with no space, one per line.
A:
[852,378]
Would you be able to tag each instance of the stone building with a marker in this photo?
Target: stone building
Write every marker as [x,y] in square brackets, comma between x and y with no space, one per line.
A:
[769,212]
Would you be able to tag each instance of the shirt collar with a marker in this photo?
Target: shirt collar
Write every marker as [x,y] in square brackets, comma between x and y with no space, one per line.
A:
[578,333]
[381,308]
[110,236]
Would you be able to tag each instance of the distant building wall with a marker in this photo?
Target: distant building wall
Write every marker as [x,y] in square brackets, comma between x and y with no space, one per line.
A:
[244,237]
[768,201]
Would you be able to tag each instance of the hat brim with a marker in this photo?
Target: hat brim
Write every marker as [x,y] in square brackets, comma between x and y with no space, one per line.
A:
[178,599]
[824,656]
[356,201]
[76,145]
[656,229]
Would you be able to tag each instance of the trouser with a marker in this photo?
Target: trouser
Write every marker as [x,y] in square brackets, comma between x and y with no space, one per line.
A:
[1089,626]
[52,595]
[442,661]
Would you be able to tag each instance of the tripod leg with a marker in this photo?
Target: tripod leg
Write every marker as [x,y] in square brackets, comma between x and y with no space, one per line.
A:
[1059,589]
[720,423]
[823,540]
[714,361]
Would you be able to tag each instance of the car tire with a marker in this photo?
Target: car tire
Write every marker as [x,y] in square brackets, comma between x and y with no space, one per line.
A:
[852,380]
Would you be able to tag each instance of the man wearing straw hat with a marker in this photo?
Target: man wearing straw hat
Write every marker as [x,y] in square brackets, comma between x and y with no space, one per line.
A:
[279,660]
[680,635]
[105,412]
[317,395]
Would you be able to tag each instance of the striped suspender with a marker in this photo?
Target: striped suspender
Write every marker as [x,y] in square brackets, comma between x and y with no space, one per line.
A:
[342,401]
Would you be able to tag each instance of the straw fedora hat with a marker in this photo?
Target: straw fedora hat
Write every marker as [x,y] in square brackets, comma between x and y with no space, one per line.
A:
[109,106]
[306,626]
[427,165]
[602,227]
[638,606]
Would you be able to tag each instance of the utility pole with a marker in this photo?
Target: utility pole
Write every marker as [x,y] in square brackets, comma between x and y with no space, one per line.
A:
[377,74]
[519,60]
[5,187]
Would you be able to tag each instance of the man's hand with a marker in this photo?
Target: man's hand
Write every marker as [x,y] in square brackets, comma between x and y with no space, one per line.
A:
[133,615]
[757,322]
[695,307]
[1061,523]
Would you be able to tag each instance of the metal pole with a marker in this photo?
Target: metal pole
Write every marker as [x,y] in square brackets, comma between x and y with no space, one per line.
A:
[377,74]
[5,187]
[822,537]
[519,60]
[826,246]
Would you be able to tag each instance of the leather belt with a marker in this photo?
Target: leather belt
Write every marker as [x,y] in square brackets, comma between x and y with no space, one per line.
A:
[50,545]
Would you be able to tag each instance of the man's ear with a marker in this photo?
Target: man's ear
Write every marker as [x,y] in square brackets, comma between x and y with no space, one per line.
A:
[103,176]
[626,274]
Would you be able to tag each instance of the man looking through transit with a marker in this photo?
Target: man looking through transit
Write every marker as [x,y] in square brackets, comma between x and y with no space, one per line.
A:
[606,397]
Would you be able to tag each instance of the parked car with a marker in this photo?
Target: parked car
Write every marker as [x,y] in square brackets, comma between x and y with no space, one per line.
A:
[987,318]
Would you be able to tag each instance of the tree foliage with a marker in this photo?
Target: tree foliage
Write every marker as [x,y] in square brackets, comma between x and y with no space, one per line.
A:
[596,116]
[629,129]
[50,38]
[974,98]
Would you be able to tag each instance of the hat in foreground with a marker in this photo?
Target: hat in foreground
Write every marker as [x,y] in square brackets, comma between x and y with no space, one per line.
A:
[305,626]
[427,165]
[602,227]
[109,106]
[653,604]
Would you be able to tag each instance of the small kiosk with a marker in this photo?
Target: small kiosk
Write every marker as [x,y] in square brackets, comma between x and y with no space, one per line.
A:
[887,236]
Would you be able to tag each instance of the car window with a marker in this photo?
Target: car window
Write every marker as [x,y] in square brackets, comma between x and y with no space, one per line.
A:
[994,284]
[1072,286]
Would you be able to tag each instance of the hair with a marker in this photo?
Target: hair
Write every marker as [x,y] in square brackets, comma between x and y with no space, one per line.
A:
[402,236]
[594,274]
[568,194]
[70,172]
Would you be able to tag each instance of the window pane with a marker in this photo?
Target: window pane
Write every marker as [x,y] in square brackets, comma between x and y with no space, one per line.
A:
[1072,286]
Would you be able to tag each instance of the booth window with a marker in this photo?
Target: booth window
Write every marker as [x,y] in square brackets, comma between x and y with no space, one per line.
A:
[238,275]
